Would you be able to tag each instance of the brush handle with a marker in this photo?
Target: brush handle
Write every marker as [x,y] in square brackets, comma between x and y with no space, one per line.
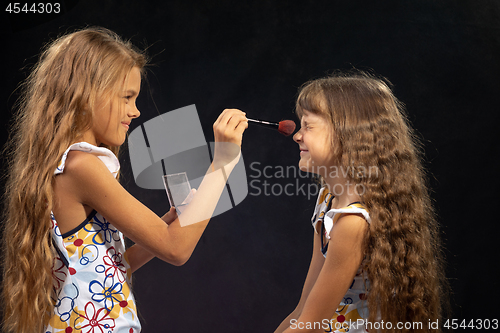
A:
[264,123]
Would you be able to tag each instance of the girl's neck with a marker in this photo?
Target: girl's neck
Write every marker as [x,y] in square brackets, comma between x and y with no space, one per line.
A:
[343,191]
[89,138]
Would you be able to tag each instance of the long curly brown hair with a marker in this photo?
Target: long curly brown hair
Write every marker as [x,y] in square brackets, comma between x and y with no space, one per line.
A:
[55,108]
[402,246]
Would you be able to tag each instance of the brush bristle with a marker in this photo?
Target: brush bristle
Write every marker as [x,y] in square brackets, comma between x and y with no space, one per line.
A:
[286,127]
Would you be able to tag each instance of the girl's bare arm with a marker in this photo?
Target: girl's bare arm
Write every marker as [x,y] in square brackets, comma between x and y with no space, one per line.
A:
[137,256]
[173,243]
[341,264]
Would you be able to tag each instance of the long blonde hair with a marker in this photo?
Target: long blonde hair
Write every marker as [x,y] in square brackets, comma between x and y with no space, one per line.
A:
[402,247]
[55,108]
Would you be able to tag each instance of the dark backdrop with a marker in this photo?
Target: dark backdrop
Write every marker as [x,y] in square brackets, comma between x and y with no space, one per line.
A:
[248,269]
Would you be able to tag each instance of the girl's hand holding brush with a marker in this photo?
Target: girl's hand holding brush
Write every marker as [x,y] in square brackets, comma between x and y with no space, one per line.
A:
[229,128]
[228,133]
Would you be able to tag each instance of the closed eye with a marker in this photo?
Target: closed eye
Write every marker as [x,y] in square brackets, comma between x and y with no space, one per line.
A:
[129,94]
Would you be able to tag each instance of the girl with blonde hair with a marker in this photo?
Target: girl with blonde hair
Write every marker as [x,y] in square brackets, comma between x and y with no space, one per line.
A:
[65,267]
[376,264]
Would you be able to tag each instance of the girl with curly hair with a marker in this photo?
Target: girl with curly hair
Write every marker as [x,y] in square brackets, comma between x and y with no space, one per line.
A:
[376,264]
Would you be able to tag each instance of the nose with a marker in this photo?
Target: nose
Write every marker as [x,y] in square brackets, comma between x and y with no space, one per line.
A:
[297,137]
[134,112]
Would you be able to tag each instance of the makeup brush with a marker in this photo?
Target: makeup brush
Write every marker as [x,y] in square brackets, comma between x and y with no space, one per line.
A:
[285,127]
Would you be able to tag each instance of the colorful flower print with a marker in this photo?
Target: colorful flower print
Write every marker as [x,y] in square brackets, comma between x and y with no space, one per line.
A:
[114,266]
[103,293]
[108,231]
[95,321]
[58,273]
[342,318]
[54,225]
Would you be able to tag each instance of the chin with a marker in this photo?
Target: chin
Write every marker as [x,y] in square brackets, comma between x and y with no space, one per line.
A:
[304,166]
[313,169]
[118,142]
[113,143]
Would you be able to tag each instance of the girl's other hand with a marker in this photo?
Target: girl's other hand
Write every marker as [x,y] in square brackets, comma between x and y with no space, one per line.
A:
[170,216]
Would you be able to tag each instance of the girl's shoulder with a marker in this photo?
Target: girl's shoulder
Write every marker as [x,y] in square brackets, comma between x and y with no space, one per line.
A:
[105,155]
[334,214]
[327,216]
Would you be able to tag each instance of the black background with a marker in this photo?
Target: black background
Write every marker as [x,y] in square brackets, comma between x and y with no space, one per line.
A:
[248,269]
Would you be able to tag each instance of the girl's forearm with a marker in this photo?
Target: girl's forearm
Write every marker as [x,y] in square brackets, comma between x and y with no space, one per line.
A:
[207,195]
[137,256]
[185,232]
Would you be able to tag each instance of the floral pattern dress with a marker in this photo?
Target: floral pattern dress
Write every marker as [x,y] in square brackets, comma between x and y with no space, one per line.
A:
[91,275]
[353,309]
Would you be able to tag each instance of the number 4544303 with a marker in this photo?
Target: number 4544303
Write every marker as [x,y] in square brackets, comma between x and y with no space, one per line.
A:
[35,8]
[479,324]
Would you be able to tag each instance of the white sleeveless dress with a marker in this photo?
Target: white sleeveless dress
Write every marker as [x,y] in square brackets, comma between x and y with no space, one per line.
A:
[91,275]
[353,309]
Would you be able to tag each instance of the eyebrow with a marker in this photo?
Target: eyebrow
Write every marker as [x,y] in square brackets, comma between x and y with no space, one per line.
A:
[305,120]
[309,120]
[131,92]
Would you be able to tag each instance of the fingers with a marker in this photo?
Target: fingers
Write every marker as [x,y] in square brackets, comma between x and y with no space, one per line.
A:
[242,125]
[223,113]
[172,212]
[228,116]
[170,216]
[223,117]
[230,126]
[237,121]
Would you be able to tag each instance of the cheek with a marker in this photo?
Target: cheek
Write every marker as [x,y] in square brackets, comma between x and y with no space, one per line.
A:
[331,143]
[113,115]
